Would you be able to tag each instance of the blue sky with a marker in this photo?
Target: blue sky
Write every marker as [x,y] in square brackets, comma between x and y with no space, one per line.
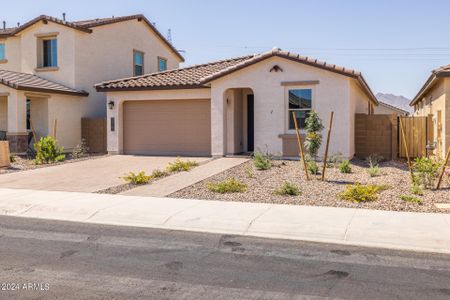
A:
[394,43]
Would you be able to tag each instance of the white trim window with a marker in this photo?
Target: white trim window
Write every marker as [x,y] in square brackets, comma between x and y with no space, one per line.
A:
[138,63]
[299,101]
[49,52]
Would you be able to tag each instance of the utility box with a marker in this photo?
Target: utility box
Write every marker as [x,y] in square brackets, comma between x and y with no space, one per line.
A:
[4,154]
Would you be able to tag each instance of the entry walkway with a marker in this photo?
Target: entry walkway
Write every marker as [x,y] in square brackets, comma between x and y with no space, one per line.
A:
[396,230]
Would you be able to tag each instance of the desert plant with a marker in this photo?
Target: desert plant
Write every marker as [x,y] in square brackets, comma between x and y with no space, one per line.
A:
[249,172]
[80,150]
[313,167]
[48,151]
[12,158]
[157,173]
[262,161]
[412,199]
[289,189]
[425,171]
[313,127]
[345,167]
[373,171]
[181,165]
[139,178]
[230,185]
[334,159]
[360,193]
[417,190]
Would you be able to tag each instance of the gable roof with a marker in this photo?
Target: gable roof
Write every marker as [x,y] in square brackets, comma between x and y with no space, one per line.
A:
[436,74]
[87,25]
[30,82]
[199,76]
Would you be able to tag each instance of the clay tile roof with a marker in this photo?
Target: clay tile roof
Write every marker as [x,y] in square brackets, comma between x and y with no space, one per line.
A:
[443,71]
[87,25]
[30,82]
[200,75]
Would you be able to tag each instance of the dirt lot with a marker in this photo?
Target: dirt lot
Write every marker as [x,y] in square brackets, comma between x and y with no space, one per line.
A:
[262,184]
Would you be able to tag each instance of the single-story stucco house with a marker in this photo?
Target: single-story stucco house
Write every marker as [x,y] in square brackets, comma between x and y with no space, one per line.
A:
[433,99]
[234,106]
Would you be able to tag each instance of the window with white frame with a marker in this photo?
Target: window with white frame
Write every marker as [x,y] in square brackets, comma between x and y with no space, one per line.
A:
[138,63]
[2,51]
[49,52]
[299,102]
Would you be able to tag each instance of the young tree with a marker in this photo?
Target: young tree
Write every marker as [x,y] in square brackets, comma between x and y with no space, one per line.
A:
[313,139]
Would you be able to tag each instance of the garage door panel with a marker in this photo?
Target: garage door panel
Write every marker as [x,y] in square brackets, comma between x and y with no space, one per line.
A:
[167,127]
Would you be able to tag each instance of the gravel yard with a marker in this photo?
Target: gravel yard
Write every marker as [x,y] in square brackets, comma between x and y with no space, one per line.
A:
[262,184]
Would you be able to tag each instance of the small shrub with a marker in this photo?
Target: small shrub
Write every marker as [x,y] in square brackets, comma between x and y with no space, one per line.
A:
[180,165]
[140,178]
[12,158]
[231,185]
[249,172]
[313,167]
[261,161]
[158,173]
[48,151]
[417,190]
[373,171]
[345,167]
[313,127]
[80,150]
[334,160]
[289,189]
[411,199]
[360,193]
[425,170]
[374,160]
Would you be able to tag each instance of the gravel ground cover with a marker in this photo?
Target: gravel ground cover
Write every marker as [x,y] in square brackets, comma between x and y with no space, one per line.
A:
[23,163]
[262,184]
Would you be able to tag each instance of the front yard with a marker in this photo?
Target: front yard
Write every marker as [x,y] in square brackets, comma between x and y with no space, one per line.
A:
[261,185]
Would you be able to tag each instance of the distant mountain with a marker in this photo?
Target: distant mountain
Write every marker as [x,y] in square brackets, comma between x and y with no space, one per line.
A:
[394,100]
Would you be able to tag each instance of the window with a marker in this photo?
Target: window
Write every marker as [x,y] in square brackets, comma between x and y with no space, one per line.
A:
[138,63]
[300,102]
[49,53]
[28,114]
[162,64]
[2,52]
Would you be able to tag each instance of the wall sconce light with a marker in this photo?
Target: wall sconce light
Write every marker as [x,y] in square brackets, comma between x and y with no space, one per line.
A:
[111,104]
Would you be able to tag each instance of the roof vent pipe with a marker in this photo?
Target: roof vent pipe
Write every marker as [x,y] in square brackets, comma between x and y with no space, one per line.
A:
[4,25]
[18,24]
[64,17]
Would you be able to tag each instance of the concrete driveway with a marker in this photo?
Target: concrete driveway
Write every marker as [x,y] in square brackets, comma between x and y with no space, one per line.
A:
[88,175]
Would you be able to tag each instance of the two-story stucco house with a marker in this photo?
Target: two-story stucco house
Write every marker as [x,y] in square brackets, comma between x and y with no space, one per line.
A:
[48,68]
[234,105]
[434,99]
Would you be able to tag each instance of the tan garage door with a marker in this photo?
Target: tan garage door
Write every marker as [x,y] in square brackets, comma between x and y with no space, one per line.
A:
[167,127]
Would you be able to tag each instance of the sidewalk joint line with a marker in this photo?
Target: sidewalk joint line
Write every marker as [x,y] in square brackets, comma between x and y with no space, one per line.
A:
[348,224]
[257,217]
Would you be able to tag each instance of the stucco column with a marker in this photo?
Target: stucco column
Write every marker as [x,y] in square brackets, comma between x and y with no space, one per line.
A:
[113,126]
[17,122]
[218,122]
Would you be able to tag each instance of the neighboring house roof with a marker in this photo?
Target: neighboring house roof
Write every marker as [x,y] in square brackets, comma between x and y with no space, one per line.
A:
[436,74]
[393,107]
[86,26]
[200,75]
[29,82]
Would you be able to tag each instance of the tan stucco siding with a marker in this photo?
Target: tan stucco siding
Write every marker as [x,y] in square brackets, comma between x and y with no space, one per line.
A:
[12,53]
[3,113]
[385,110]
[330,94]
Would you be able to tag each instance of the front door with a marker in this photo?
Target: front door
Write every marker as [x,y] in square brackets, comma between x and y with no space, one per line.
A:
[250,123]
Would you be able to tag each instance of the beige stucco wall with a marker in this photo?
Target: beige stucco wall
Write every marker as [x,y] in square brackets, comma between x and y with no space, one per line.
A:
[386,110]
[438,99]
[115,138]
[331,94]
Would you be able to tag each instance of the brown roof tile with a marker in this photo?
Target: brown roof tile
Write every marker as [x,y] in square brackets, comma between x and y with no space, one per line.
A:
[443,71]
[200,75]
[30,82]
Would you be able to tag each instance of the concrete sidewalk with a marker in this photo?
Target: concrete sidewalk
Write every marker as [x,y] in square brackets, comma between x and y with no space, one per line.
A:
[395,230]
[176,182]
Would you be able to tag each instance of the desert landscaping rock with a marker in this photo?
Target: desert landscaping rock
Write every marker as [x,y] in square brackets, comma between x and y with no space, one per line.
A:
[262,184]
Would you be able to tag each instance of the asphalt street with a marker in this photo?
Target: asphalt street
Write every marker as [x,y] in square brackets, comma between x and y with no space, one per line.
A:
[42,259]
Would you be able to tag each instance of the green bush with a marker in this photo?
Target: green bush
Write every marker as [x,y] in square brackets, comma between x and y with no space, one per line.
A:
[12,158]
[334,159]
[373,171]
[158,173]
[140,178]
[48,151]
[313,167]
[425,171]
[231,185]
[261,161]
[313,127]
[181,165]
[411,199]
[80,150]
[249,172]
[360,193]
[345,167]
[417,190]
[289,189]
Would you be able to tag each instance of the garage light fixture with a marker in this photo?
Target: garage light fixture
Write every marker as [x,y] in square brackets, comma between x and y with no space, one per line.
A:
[111,104]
